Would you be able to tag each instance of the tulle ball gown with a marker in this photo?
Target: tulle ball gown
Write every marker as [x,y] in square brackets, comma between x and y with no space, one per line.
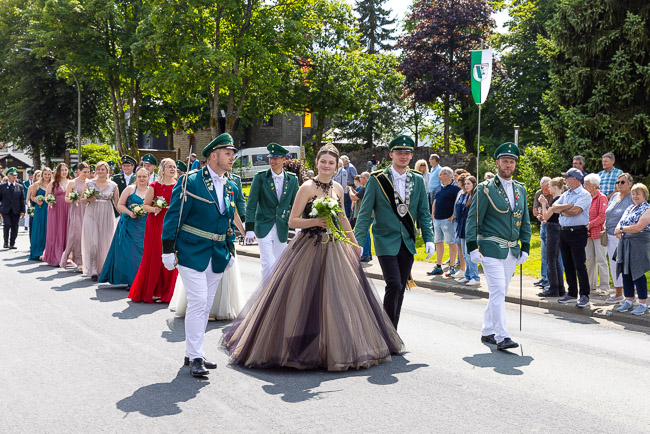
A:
[38,233]
[125,253]
[98,229]
[57,228]
[316,310]
[75,224]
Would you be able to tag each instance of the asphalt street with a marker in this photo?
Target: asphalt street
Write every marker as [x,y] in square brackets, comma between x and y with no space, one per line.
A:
[77,356]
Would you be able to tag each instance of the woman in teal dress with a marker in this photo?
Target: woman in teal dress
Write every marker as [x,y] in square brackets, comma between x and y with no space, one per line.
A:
[123,258]
[38,232]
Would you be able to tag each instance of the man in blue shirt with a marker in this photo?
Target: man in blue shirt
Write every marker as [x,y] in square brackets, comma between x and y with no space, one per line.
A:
[442,211]
[352,172]
[609,175]
[196,164]
[573,207]
[434,177]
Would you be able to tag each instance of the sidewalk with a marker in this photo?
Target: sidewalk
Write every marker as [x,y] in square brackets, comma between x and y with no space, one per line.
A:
[598,308]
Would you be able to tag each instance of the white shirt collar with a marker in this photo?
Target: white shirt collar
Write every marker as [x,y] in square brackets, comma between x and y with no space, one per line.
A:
[215,177]
[396,174]
[281,175]
[505,182]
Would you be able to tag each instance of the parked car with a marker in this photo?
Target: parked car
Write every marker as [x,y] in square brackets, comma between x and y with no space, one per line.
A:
[249,161]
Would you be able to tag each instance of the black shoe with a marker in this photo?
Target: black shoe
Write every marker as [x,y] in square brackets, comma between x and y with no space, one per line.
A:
[197,369]
[489,339]
[368,259]
[6,246]
[506,344]
[93,278]
[548,293]
[208,365]
[13,247]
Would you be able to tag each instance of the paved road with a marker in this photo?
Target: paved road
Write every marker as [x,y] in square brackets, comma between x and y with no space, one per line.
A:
[76,356]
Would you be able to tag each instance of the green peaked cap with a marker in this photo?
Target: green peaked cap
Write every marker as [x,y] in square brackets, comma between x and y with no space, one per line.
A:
[508,150]
[401,143]
[223,141]
[149,158]
[276,150]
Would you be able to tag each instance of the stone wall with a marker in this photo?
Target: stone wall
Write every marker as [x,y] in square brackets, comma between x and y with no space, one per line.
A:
[455,161]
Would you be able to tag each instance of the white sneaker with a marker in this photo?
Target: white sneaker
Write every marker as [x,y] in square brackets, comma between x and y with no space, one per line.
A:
[458,274]
[474,282]
[463,280]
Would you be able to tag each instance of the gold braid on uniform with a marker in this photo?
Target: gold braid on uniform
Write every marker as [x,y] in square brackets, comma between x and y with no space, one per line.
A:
[485,190]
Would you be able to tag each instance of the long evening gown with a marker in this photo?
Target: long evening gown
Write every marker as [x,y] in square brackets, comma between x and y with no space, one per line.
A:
[57,228]
[153,279]
[75,224]
[98,229]
[228,301]
[317,310]
[37,235]
[123,258]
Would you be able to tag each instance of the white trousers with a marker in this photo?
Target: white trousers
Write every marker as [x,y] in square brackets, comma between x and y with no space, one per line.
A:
[498,273]
[612,244]
[200,287]
[26,218]
[270,250]
[597,264]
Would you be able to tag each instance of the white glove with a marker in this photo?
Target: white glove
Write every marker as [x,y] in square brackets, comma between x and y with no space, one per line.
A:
[169,260]
[475,256]
[429,249]
[230,263]
[522,258]
[250,237]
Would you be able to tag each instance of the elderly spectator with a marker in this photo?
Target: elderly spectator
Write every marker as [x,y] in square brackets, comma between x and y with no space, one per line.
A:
[618,203]
[488,176]
[434,177]
[422,167]
[633,253]
[442,211]
[341,176]
[352,172]
[471,276]
[579,163]
[356,196]
[609,175]
[573,207]
[553,231]
[596,252]
[460,181]
[537,212]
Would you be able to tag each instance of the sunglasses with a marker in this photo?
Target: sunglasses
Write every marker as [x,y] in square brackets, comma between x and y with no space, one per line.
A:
[621,182]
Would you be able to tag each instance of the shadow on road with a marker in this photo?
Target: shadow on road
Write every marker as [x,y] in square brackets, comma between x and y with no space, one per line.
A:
[176,332]
[109,293]
[60,274]
[42,266]
[83,283]
[136,310]
[161,399]
[503,362]
[298,386]
[16,258]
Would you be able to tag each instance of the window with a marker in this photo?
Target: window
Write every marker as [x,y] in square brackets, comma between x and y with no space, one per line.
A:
[268,122]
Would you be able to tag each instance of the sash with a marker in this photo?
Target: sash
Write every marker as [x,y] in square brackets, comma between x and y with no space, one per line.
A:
[389,191]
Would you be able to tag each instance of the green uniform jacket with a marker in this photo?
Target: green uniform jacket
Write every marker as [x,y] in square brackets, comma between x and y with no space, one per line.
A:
[263,209]
[241,201]
[194,251]
[387,229]
[121,181]
[497,219]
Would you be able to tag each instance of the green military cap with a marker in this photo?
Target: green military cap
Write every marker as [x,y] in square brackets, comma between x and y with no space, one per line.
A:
[181,166]
[148,158]
[276,150]
[11,170]
[92,167]
[127,159]
[30,171]
[111,164]
[75,167]
[507,150]
[401,143]
[223,141]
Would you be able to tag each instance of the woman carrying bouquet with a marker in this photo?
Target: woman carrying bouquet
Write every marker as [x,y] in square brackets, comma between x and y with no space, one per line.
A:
[57,218]
[123,258]
[73,195]
[38,233]
[317,309]
[99,221]
[153,282]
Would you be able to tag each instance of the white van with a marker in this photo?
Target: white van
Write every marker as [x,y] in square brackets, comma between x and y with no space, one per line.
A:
[249,161]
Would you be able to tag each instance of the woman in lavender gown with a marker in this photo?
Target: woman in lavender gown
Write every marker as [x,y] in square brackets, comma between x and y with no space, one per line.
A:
[99,221]
[57,217]
[316,309]
[75,218]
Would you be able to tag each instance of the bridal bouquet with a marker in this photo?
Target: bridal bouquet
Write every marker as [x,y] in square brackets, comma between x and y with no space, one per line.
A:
[39,198]
[30,211]
[160,202]
[74,197]
[50,199]
[90,192]
[137,210]
[329,209]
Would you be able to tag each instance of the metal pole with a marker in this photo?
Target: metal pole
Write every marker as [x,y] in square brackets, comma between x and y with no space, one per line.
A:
[478,143]
[521,267]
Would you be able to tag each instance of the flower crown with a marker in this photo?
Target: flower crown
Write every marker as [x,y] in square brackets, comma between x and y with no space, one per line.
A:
[329,148]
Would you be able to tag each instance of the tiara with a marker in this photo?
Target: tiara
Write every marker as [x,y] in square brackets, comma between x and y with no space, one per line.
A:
[329,148]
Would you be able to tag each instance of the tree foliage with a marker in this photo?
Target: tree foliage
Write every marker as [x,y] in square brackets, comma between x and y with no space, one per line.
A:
[376,33]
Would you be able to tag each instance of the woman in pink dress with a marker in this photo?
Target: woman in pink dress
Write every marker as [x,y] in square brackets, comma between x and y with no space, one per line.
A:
[75,218]
[154,283]
[98,222]
[57,217]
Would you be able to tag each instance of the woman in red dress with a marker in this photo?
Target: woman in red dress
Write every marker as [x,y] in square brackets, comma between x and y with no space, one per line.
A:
[154,283]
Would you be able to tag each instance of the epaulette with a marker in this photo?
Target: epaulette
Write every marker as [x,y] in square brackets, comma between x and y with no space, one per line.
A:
[414,171]
[517,182]
[192,171]
[377,172]
[290,173]
[234,175]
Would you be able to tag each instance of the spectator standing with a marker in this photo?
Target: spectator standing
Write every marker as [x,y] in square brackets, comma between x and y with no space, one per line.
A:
[460,267]
[357,198]
[553,230]
[442,210]
[618,203]
[471,277]
[573,207]
[422,167]
[609,175]
[352,172]
[544,184]
[596,252]
[488,176]
[633,253]
[434,177]
[579,163]
[196,164]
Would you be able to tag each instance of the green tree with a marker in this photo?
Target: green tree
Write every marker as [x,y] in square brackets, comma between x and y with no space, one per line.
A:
[599,53]
[376,33]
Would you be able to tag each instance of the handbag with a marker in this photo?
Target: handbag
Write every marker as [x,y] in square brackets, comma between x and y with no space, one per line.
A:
[603,238]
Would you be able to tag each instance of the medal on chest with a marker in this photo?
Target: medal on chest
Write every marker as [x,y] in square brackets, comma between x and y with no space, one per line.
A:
[403,208]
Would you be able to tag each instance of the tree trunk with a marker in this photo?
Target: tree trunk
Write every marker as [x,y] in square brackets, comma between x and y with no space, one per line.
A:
[169,127]
[116,119]
[214,110]
[320,129]
[36,156]
[446,127]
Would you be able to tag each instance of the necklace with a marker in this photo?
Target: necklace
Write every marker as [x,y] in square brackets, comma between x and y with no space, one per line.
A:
[403,208]
[323,186]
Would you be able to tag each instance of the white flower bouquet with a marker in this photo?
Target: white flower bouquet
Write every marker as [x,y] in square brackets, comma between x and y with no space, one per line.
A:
[30,211]
[160,202]
[137,210]
[39,198]
[74,197]
[329,209]
[90,192]
[50,199]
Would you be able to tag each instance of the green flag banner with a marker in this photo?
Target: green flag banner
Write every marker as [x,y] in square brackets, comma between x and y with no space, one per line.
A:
[481,74]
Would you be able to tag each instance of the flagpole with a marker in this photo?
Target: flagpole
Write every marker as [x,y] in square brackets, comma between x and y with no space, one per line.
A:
[478,144]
